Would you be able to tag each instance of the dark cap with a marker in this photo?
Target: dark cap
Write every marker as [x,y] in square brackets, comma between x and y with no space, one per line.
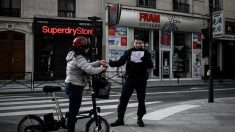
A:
[139,36]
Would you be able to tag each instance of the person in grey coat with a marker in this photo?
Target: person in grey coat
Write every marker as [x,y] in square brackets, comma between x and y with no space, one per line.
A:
[77,71]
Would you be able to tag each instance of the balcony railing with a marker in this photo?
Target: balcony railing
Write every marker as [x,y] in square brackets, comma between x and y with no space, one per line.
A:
[146,3]
[181,7]
[63,13]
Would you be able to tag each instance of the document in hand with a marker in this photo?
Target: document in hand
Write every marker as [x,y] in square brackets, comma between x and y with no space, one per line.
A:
[136,56]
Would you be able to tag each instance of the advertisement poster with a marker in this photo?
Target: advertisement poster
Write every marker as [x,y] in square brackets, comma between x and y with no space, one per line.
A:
[115,54]
[117,36]
[196,55]
[166,39]
[197,40]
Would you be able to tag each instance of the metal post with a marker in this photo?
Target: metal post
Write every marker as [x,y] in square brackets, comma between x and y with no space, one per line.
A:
[93,38]
[211,92]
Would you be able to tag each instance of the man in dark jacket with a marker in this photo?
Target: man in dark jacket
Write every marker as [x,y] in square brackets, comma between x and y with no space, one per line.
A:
[137,60]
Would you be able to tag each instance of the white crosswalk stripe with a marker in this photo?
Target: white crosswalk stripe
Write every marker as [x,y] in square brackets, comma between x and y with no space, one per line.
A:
[22,105]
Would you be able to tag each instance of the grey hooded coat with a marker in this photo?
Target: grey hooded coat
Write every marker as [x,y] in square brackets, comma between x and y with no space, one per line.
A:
[78,68]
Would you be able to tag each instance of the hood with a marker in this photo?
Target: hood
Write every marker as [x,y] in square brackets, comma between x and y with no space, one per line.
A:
[70,56]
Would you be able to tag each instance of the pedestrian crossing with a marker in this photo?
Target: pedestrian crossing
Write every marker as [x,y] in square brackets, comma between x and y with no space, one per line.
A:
[20,105]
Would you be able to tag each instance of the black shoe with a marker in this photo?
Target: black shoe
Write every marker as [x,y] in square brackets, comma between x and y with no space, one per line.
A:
[140,122]
[118,122]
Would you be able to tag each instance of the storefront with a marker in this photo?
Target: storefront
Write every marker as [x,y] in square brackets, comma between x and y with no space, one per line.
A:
[53,39]
[174,41]
[223,51]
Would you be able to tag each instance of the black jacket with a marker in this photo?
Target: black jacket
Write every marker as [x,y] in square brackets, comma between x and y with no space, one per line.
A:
[134,70]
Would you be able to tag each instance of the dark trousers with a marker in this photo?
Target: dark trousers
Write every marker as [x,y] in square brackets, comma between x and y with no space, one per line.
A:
[130,84]
[75,99]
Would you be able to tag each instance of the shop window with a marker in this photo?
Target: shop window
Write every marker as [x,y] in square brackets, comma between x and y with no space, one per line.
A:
[66,8]
[230,28]
[182,56]
[181,6]
[146,3]
[117,45]
[10,8]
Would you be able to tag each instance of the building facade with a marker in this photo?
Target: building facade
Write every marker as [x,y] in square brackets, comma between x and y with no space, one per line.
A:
[36,35]
[224,45]
[172,31]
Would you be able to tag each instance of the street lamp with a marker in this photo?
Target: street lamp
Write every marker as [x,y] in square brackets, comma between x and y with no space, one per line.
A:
[211,91]
[94,49]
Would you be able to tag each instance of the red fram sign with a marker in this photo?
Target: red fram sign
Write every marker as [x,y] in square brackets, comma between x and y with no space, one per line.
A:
[149,17]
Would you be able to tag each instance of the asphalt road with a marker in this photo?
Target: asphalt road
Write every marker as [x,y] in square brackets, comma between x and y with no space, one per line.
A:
[14,106]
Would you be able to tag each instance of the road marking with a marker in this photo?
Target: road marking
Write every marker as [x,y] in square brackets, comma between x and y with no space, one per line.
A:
[35,102]
[197,88]
[188,91]
[66,109]
[101,114]
[53,105]
[161,114]
[11,96]
[26,98]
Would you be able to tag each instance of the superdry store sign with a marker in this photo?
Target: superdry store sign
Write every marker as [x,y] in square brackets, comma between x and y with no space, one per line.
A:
[64,27]
[153,20]
[66,30]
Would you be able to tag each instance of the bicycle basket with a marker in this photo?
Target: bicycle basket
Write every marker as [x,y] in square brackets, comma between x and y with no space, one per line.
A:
[101,87]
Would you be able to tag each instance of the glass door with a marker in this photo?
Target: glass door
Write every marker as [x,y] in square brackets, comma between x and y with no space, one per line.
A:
[165,64]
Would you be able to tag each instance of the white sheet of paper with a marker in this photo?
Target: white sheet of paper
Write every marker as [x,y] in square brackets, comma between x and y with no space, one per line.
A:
[136,56]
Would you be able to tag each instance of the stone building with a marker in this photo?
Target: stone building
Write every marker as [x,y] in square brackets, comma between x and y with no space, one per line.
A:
[36,35]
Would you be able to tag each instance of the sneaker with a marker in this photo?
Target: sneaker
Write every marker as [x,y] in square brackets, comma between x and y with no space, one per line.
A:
[140,122]
[118,122]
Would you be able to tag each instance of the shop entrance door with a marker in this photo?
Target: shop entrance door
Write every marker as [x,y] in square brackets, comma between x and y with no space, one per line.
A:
[12,55]
[165,64]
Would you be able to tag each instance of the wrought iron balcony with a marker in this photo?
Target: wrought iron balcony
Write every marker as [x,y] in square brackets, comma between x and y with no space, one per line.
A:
[146,3]
[180,7]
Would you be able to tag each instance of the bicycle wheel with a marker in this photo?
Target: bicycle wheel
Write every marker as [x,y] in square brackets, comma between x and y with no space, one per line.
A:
[27,121]
[91,125]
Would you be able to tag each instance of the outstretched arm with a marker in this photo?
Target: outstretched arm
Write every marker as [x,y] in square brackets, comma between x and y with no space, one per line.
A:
[121,61]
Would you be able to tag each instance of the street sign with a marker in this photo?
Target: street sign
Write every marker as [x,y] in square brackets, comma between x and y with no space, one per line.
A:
[218,24]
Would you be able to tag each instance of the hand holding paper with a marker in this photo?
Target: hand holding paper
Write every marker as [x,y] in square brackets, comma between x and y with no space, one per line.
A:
[136,56]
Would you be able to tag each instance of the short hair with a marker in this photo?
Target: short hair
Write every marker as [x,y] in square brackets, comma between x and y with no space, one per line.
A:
[139,36]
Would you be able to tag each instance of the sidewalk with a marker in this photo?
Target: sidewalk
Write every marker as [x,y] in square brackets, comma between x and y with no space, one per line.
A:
[13,88]
[202,117]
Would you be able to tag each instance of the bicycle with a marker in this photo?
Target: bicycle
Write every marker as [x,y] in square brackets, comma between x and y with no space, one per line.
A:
[33,123]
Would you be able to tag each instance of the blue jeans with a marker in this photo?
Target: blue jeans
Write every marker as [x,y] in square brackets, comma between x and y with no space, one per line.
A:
[74,94]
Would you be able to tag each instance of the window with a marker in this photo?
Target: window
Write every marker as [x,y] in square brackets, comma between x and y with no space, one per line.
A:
[10,8]
[66,8]
[181,6]
[230,27]
[182,55]
[146,3]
